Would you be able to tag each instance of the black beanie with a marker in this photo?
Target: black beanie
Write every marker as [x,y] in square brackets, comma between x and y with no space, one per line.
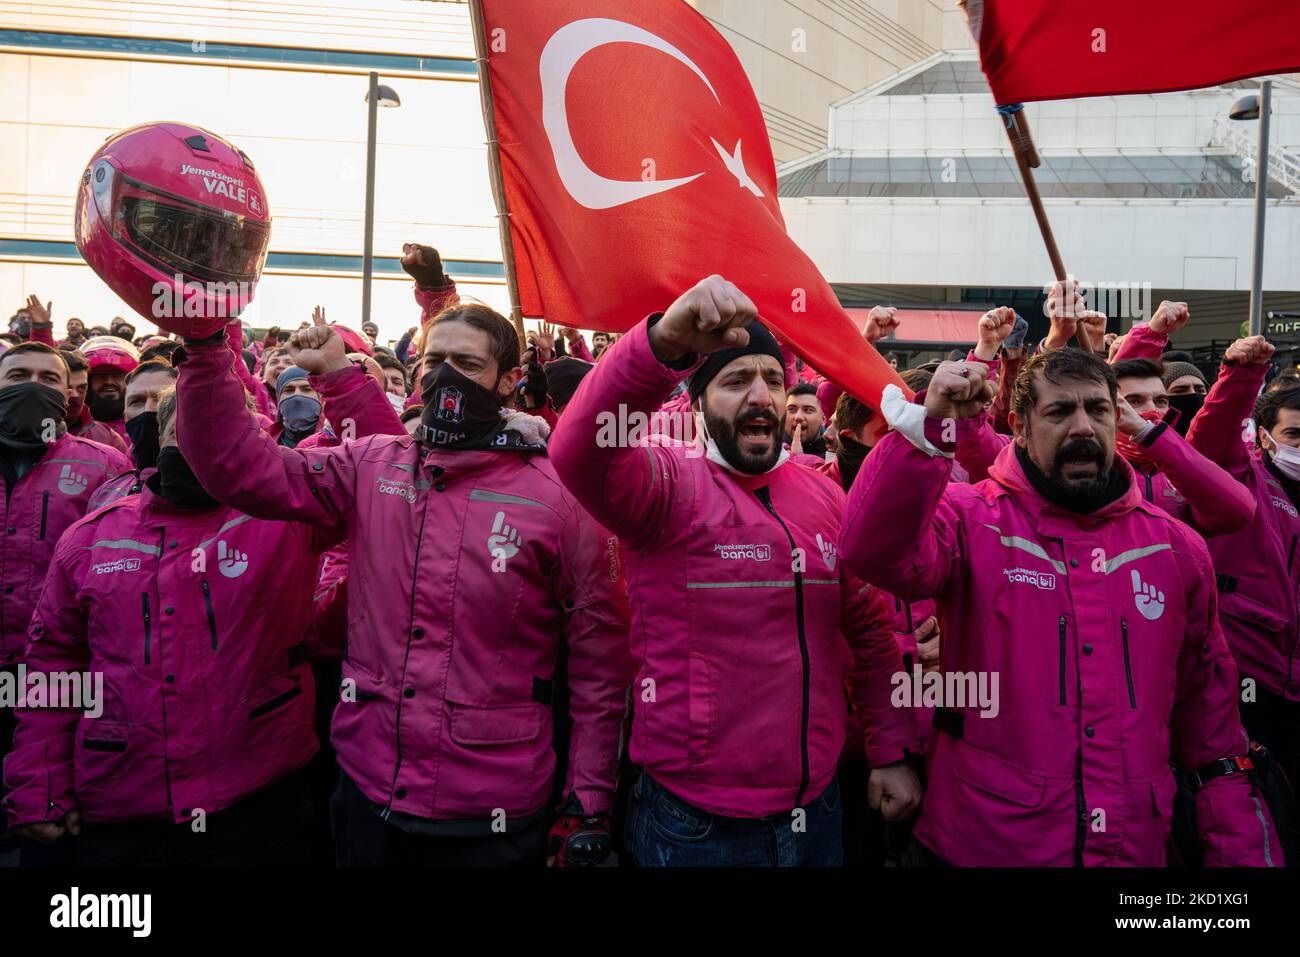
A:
[761,343]
[563,377]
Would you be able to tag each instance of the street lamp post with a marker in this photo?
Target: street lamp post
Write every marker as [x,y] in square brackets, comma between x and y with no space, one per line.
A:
[376,97]
[1260,108]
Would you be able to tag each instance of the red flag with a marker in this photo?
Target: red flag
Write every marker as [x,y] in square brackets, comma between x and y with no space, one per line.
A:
[636,163]
[1054,49]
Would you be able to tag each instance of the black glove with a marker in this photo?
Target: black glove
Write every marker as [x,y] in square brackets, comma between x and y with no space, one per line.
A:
[534,384]
[578,839]
[424,265]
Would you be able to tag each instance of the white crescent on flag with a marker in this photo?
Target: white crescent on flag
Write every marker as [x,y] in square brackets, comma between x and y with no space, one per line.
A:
[561,54]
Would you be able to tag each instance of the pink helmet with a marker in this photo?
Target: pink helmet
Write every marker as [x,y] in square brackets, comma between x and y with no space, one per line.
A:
[173,218]
[103,352]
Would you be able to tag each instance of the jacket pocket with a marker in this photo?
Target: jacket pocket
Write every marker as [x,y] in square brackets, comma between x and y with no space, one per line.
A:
[495,726]
[995,776]
[1128,664]
[45,511]
[104,737]
[273,696]
[212,617]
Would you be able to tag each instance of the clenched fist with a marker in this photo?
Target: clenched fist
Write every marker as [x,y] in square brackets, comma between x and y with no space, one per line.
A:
[1169,318]
[1255,350]
[710,317]
[995,325]
[1064,307]
[318,348]
[958,391]
[881,321]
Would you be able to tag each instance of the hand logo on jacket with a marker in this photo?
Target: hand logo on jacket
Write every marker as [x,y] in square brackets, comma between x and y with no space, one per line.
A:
[503,542]
[827,550]
[230,562]
[70,483]
[1149,601]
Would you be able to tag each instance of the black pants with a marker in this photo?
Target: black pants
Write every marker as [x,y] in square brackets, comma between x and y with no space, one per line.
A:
[272,828]
[8,723]
[363,839]
[1275,723]
[323,770]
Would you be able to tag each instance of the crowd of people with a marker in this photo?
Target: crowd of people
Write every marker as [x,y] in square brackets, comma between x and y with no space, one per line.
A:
[360,605]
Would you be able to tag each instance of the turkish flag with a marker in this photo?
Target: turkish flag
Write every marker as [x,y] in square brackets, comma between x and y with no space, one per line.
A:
[1053,49]
[636,163]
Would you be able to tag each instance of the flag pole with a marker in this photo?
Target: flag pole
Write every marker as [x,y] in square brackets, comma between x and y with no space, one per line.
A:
[1028,160]
[494,167]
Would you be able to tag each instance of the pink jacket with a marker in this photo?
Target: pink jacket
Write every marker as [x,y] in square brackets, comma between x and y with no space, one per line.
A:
[476,566]
[87,428]
[1099,684]
[360,407]
[1258,570]
[195,620]
[432,301]
[1181,481]
[1142,343]
[41,505]
[120,486]
[743,643]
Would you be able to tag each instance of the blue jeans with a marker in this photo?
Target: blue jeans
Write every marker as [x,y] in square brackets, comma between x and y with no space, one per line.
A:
[665,831]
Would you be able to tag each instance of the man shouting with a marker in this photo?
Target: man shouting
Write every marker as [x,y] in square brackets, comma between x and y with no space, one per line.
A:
[1095,608]
[745,625]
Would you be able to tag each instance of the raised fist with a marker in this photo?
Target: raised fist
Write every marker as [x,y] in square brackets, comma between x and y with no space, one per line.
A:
[1255,350]
[318,348]
[1169,318]
[707,318]
[423,264]
[881,321]
[958,390]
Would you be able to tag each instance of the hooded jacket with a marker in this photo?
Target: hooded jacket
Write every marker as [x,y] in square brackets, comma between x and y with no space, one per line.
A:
[194,619]
[35,512]
[745,624]
[1258,568]
[1103,632]
[477,566]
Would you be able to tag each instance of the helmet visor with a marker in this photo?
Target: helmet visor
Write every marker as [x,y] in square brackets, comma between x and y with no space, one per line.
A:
[198,242]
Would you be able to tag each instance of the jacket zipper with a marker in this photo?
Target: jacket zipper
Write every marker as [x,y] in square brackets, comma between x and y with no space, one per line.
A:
[144,612]
[45,507]
[765,497]
[1150,491]
[1061,667]
[1128,667]
[212,618]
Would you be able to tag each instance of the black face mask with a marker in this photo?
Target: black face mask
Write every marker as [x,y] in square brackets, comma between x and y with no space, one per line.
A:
[143,432]
[30,413]
[850,457]
[103,409]
[176,482]
[458,412]
[1187,406]
[1083,500]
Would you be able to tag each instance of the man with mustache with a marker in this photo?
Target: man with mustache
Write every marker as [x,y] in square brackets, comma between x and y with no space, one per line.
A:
[80,421]
[109,360]
[1097,611]
[144,387]
[745,625]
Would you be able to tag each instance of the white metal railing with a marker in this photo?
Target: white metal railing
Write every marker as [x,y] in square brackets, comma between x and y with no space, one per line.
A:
[1283,166]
